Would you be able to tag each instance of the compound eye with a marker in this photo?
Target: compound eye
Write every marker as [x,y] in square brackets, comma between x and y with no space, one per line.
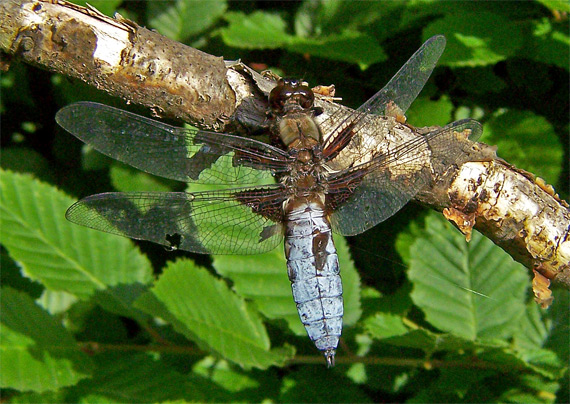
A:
[307,97]
[278,95]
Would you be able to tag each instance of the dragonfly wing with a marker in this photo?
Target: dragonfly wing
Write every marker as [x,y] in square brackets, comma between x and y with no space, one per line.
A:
[235,221]
[368,194]
[351,128]
[404,87]
[181,154]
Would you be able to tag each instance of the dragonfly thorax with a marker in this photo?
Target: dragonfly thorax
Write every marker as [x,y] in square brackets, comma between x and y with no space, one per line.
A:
[291,107]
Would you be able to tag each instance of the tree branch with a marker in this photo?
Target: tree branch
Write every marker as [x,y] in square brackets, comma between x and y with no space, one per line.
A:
[511,207]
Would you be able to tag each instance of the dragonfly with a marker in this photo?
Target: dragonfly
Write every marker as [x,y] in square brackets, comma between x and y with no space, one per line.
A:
[297,190]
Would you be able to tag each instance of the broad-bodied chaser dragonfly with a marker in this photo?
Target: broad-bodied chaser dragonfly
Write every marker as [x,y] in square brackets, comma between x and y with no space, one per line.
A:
[347,181]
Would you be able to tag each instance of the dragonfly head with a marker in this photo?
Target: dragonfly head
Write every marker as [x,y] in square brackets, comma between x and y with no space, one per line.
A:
[291,95]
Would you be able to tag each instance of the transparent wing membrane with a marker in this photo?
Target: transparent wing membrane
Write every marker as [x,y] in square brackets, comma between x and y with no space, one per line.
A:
[408,82]
[394,99]
[188,155]
[218,222]
[387,182]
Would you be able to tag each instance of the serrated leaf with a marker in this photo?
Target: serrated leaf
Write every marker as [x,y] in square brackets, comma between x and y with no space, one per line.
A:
[426,112]
[544,362]
[427,340]
[527,141]
[180,19]
[473,290]
[389,331]
[38,354]
[263,279]
[476,38]
[59,254]
[203,309]
[259,30]
[541,361]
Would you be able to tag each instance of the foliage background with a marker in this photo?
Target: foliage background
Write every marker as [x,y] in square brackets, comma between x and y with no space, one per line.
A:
[429,317]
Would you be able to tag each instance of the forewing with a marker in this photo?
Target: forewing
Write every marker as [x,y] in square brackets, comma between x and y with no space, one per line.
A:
[180,154]
[404,87]
[393,100]
[368,194]
[235,221]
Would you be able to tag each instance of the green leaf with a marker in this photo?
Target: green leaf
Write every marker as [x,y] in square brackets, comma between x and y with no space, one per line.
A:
[533,389]
[349,46]
[38,354]
[52,397]
[314,385]
[544,362]
[263,279]
[259,30]
[559,332]
[384,325]
[556,5]
[203,309]
[59,254]
[24,160]
[549,43]
[56,302]
[452,385]
[318,17]
[140,378]
[181,19]
[426,340]
[390,331]
[426,112]
[11,275]
[475,38]
[531,332]
[230,378]
[473,290]
[527,141]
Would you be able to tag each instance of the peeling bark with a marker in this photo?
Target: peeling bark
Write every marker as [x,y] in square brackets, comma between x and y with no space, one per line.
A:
[120,58]
[518,211]
[511,207]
